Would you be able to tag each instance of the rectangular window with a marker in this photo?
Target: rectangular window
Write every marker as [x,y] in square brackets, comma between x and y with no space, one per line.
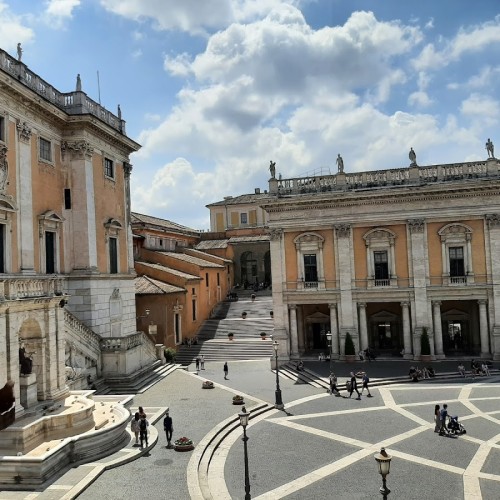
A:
[193,291]
[2,248]
[310,268]
[109,168]
[177,329]
[206,279]
[50,252]
[45,149]
[67,199]
[218,279]
[457,267]
[244,218]
[194,309]
[2,128]
[113,256]
[381,265]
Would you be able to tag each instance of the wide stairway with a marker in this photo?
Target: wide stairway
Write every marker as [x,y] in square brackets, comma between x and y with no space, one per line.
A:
[247,344]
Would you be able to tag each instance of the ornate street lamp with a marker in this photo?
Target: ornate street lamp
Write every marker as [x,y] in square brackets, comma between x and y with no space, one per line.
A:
[329,339]
[244,422]
[384,466]
[279,402]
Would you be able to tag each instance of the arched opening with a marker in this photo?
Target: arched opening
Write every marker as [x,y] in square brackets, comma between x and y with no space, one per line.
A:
[248,264]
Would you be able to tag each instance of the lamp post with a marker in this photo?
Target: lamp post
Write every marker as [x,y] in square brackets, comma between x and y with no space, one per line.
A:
[384,466]
[244,422]
[329,340]
[279,402]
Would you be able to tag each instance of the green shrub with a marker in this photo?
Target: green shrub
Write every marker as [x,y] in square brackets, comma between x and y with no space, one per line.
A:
[425,346]
[349,345]
[169,354]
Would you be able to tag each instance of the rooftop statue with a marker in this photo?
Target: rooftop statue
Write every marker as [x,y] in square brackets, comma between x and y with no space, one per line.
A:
[19,52]
[272,169]
[413,157]
[340,164]
[490,149]
[78,83]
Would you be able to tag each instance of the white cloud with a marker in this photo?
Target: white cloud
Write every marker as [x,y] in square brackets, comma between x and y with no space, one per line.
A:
[136,54]
[12,29]
[472,40]
[61,8]
[193,16]
[480,105]
[179,65]
[419,99]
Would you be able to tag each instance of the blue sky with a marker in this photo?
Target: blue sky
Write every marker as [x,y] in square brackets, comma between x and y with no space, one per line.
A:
[215,89]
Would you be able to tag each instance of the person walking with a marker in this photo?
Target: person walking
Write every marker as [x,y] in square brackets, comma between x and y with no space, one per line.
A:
[364,379]
[226,370]
[168,427]
[134,426]
[333,385]
[443,416]
[197,363]
[143,428]
[437,418]
[202,362]
[354,386]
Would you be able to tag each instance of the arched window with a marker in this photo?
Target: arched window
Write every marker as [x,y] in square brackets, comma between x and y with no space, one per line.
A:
[380,257]
[456,254]
[309,248]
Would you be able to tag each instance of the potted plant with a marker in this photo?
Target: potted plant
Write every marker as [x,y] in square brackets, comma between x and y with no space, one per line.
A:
[230,335]
[349,350]
[183,444]
[207,384]
[244,314]
[169,354]
[263,335]
[425,346]
[238,400]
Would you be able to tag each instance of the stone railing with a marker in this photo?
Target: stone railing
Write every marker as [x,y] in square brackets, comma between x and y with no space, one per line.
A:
[81,333]
[378,178]
[15,287]
[73,103]
[128,342]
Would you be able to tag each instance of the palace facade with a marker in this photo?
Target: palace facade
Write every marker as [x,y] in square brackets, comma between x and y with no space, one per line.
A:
[67,296]
[386,255]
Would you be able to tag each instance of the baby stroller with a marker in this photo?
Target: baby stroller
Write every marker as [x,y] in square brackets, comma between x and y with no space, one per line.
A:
[455,427]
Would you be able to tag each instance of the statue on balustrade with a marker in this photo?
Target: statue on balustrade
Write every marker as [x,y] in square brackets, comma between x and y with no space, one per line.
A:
[272,168]
[490,149]
[340,164]
[19,52]
[413,157]
[7,405]
[78,83]
[25,361]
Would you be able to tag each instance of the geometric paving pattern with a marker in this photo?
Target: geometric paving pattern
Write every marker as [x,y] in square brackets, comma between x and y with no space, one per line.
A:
[327,450]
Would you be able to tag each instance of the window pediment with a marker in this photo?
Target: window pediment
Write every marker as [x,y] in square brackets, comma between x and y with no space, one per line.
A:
[113,224]
[455,231]
[377,234]
[309,241]
[50,216]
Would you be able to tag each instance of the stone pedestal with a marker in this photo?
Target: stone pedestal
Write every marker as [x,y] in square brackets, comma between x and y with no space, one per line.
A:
[28,389]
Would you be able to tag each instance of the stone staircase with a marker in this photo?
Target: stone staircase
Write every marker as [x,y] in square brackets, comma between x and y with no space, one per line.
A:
[136,383]
[213,341]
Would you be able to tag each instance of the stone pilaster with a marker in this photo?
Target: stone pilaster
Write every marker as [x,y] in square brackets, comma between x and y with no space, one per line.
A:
[405,307]
[294,341]
[483,329]
[363,331]
[438,333]
[493,228]
[334,331]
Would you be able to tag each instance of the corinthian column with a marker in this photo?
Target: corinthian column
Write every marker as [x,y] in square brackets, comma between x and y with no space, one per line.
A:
[438,333]
[294,341]
[405,306]
[334,331]
[483,329]
[362,326]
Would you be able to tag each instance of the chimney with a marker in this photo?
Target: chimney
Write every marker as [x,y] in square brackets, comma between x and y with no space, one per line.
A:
[257,190]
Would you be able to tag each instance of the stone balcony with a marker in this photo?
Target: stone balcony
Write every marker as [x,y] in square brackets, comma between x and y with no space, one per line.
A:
[18,287]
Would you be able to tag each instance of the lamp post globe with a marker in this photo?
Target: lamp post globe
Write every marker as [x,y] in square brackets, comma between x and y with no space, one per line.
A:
[244,416]
[329,340]
[384,466]
[278,400]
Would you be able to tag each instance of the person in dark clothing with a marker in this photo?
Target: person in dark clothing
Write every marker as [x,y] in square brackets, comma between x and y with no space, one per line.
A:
[443,416]
[168,426]
[197,363]
[143,429]
[226,370]
[354,386]
[333,385]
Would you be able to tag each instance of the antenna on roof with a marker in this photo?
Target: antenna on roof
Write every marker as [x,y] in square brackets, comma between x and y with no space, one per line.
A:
[98,87]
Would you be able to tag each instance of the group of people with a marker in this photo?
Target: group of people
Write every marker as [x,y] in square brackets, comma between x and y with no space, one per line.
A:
[139,426]
[416,373]
[200,362]
[351,384]
[476,368]
[440,418]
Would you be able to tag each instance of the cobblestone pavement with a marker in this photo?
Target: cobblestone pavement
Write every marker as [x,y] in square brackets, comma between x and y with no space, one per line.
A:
[319,447]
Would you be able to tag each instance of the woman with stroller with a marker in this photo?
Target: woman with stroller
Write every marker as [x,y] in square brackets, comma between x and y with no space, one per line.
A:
[437,418]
